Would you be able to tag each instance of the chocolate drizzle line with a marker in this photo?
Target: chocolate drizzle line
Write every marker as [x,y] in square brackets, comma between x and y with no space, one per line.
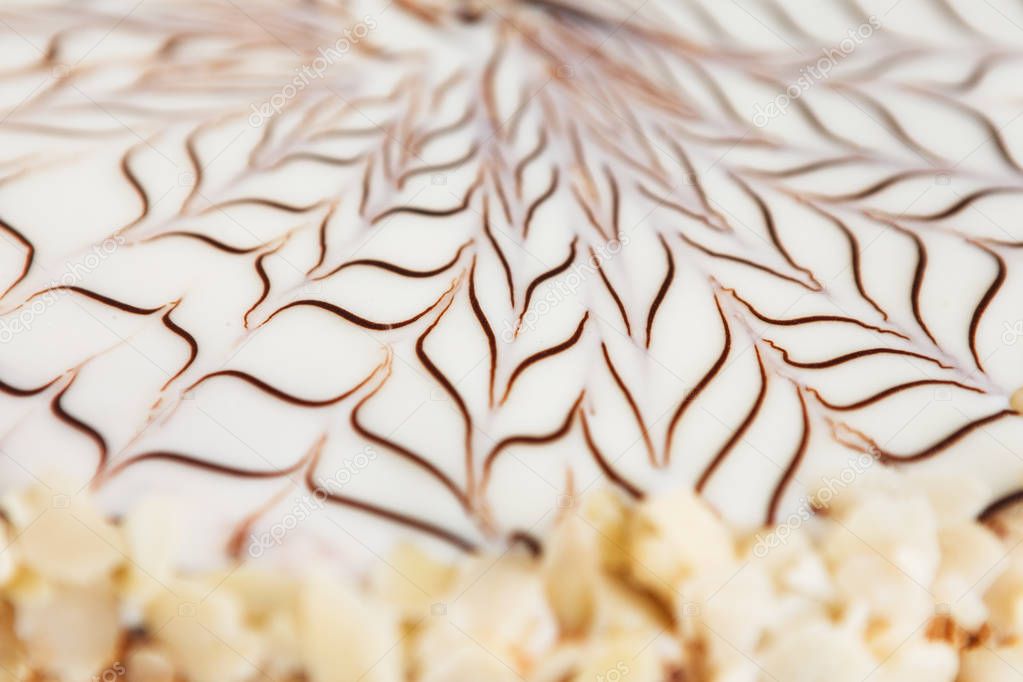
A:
[627,394]
[701,483]
[602,462]
[193,345]
[855,355]
[488,331]
[398,269]
[797,458]
[278,393]
[810,319]
[985,301]
[418,460]
[611,290]
[395,517]
[349,316]
[30,253]
[669,277]
[450,389]
[881,395]
[544,354]
[532,440]
[56,405]
[540,200]
[543,277]
[705,380]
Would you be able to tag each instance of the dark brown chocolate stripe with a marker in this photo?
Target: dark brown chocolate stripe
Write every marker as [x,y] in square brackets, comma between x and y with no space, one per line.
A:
[876,187]
[520,167]
[29,255]
[544,354]
[278,393]
[881,395]
[797,458]
[739,432]
[616,203]
[136,185]
[395,517]
[264,280]
[847,357]
[25,392]
[398,269]
[429,136]
[540,200]
[1002,503]
[543,277]
[193,345]
[265,203]
[743,261]
[497,249]
[854,256]
[349,316]
[56,405]
[918,280]
[958,206]
[530,439]
[633,406]
[811,319]
[611,290]
[985,301]
[669,276]
[432,212]
[457,162]
[605,466]
[322,238]
[195,462]
[933,449]
[413,457]
[488,331]
[702,384]
[772,230]
[450,389]
[105,300]
[217,244]
[588,212]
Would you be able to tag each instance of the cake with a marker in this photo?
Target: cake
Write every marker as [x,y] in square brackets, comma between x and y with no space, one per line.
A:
[357,299]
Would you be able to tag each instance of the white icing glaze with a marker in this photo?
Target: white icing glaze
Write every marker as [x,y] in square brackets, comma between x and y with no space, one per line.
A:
[588,127]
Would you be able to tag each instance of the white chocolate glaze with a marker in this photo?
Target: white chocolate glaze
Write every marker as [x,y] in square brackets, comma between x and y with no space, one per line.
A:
[456,264]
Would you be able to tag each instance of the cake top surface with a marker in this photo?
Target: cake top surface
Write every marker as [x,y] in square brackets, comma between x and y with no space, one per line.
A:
[332,275]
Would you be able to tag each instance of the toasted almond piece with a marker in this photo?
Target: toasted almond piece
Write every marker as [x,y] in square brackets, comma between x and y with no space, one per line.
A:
[345,637]
[954,498]
[12,654]
[72,635]
[152,537]
[71,544]
[622,658]
[902,528]
[412,580]
[971,561]
[811,652]
[675,537]
[919,660]
[148,664]
[991,664]
[468,664]
[609,514]
[1004,599]
[571,574]
[202,629]
[1016,400]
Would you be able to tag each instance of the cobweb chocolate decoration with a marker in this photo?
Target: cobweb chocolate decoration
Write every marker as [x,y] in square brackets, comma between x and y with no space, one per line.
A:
[433,269]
